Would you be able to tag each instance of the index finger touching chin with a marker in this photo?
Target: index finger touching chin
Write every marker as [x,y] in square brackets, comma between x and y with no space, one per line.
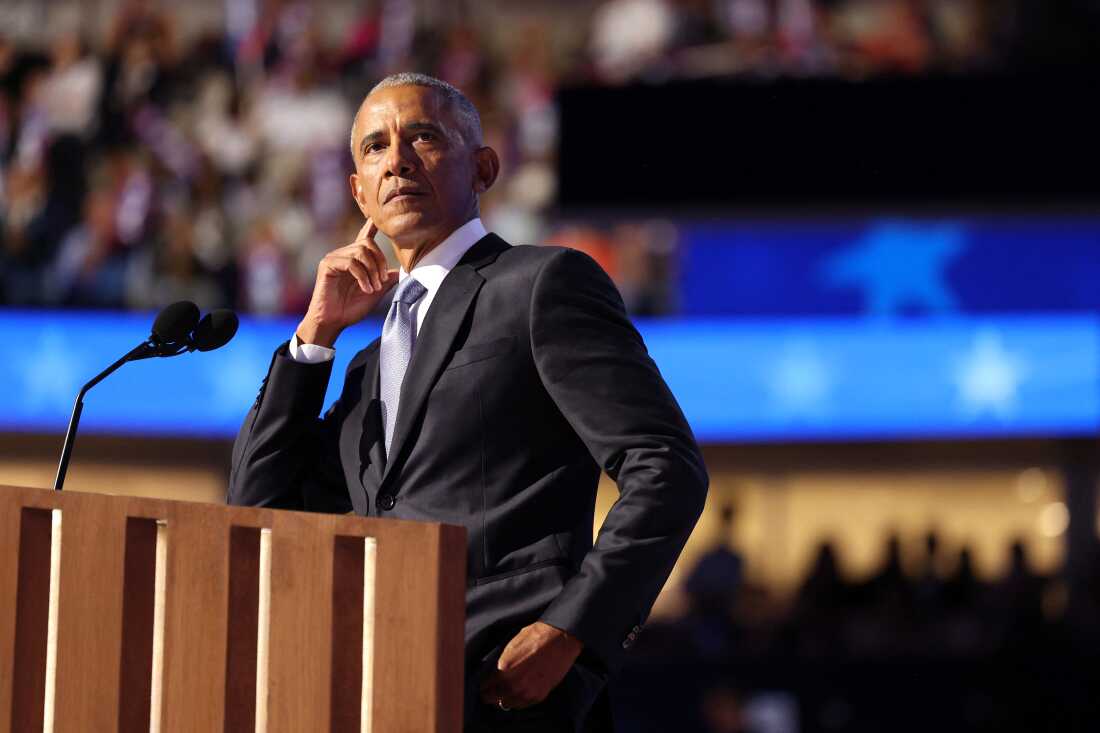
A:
[367,231]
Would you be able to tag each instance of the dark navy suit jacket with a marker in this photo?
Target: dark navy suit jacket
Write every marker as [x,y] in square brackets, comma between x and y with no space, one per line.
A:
[527,379]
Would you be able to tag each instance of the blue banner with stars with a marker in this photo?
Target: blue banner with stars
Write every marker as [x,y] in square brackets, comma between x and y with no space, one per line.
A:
[746,379]
[891,267]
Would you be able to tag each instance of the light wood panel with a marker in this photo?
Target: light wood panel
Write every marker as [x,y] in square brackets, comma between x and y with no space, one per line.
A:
[210,616]
[195,624]
[301,612]
[89,634]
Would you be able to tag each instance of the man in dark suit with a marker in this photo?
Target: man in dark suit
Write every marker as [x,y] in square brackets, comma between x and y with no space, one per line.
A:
[505,378]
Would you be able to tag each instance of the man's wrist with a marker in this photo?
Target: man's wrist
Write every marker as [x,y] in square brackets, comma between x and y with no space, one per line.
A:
[318,334]
[571,640]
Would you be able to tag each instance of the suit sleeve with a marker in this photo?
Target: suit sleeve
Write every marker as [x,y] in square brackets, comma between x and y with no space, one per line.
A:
[285,456]
[596,368]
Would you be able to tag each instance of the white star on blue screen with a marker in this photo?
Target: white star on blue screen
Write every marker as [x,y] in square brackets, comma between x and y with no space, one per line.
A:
[899,265]
[988,378]
[799,381]
[49,379]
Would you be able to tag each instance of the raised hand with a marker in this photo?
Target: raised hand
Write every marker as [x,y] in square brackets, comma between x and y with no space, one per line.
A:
[350,282]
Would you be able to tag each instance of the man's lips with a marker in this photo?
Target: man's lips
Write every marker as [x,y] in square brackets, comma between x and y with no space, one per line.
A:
[402,193]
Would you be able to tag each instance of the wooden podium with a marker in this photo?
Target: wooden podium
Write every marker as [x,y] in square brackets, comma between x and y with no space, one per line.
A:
[128,614]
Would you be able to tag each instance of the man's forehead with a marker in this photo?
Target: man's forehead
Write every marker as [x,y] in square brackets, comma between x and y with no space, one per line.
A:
[406,103]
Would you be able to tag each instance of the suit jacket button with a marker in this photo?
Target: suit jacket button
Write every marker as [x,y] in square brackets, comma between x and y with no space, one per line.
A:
[386,501]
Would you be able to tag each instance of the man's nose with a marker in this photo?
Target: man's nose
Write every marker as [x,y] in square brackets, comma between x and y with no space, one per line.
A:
[400,160]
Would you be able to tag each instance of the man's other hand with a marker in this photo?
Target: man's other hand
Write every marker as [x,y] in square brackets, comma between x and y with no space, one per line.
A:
[350,282]
[532,665]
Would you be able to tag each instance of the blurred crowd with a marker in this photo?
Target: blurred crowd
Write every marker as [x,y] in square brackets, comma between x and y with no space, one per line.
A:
[921,643]
[938,609]
[140,165]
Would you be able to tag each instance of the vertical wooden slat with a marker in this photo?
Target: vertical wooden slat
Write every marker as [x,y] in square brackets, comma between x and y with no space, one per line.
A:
[449,555]
[11,516]
[301,611]
[53,618]
[241,642]
[263,633]
[195,623]
[346,676]
[412,665]
[160,593]
[136,664]
[370,595]
[89,630]
[26,675]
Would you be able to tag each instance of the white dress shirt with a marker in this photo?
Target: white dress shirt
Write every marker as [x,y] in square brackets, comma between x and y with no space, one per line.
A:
[430,272]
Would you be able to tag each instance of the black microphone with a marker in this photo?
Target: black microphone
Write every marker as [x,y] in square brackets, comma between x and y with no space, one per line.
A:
[171,331]
[177,329]
[215,330]
[176,321]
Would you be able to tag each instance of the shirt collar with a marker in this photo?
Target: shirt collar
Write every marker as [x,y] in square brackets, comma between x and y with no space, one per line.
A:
[435,265]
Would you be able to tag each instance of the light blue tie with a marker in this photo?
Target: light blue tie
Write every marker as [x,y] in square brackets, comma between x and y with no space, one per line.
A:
[398,338]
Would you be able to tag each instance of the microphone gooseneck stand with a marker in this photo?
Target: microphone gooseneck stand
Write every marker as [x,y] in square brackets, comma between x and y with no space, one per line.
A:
[178,329]
[144,350]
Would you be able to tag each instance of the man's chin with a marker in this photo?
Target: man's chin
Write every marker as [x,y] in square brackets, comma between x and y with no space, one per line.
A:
[407,229]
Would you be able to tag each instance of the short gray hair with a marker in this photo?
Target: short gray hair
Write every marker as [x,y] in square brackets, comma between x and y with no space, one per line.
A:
[466,115]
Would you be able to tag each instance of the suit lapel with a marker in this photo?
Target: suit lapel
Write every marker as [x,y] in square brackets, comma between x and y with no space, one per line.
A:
[364,423]
[436,338]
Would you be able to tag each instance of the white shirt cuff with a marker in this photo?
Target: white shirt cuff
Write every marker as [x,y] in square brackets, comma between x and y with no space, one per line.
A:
[310,353]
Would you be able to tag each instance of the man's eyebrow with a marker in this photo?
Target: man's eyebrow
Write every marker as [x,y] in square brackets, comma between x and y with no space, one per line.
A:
[370,138]
[423,125]
[417,126]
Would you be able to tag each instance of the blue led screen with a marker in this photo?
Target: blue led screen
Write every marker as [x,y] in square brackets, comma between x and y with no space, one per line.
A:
[795,329]
[883,267]
[736,379]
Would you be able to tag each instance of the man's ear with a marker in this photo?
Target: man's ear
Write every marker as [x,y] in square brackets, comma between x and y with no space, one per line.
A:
[487,169]
[357,193]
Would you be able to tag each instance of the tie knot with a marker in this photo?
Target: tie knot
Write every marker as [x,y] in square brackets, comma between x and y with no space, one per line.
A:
[409,291]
